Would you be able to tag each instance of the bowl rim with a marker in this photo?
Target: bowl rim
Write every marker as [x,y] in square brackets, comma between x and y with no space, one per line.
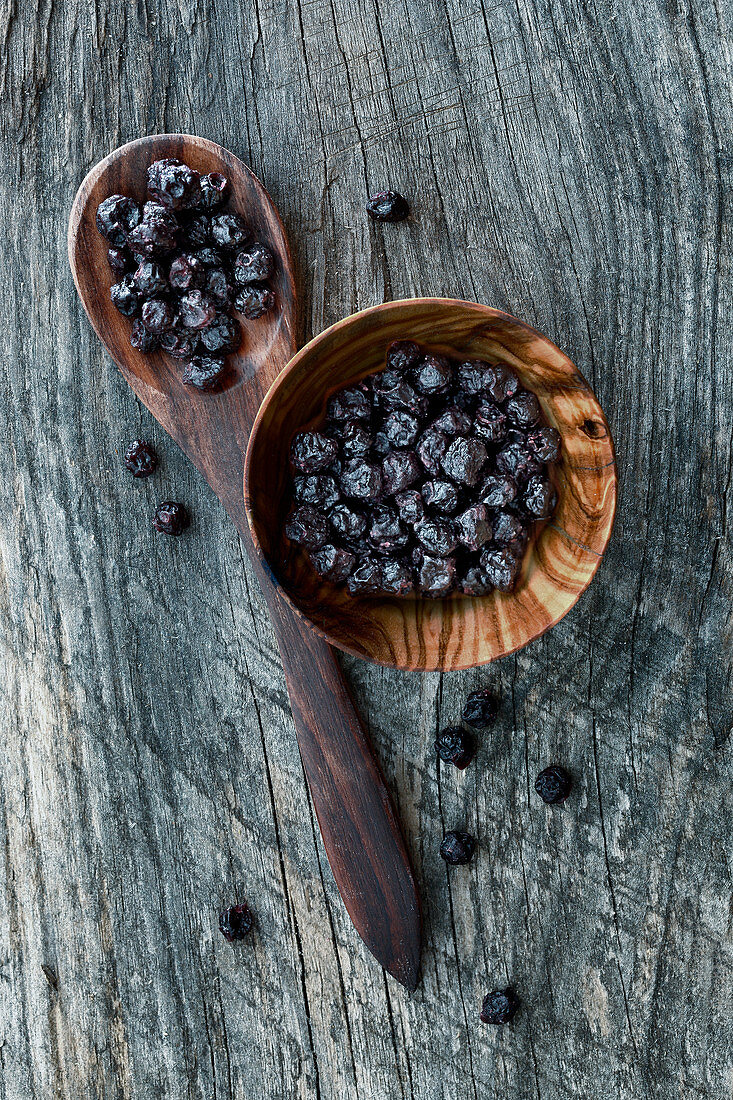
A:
[294,363]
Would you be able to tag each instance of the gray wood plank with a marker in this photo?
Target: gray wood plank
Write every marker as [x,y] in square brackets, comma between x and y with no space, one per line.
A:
[572,165]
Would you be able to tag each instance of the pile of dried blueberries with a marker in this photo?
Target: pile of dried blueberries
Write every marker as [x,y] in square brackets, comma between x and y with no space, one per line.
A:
[425,477]
[183,263]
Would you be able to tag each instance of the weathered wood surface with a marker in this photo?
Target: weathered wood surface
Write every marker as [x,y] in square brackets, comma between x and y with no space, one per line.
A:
[571,165]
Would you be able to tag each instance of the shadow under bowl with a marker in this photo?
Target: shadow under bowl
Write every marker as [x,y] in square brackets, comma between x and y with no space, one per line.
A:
[460,631]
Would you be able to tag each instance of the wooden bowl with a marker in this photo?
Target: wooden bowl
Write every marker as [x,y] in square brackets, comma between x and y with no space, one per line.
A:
[460,631]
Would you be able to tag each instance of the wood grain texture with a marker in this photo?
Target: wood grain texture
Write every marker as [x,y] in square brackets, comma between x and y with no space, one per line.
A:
[458,632]
[361,833]
[569,164]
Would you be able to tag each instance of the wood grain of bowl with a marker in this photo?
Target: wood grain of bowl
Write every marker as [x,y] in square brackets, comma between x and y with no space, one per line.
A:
[457,632]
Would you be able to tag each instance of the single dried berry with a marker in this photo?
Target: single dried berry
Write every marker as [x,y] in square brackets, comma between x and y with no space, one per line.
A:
[141,338]
[254,301]
[501,382]
[396,577]
[387,206]
[436,575]
[441,495]
[204,372]
[456,746]
[474,582]
[196,234]
[553,784]
[472,375]
[464,461]
[230,232]
[356,440]
[236,922]
[523,410]
[157,316]
[320,490]
[217,285]
[156,232]
[170,518]
[501,568]
[453,421]
[517,461]
[222,336]
[140,458]
[498,1006]
[433,375]
[312,451]
[186,272]
[366,578]
[490,423]
[307,527]
[544,443]
[348,523]
[436,537]
[256,265]
[402,354]
[410,506]
[473,527]
[196,310]
[401,428]
[214,190]
[386,533]
[399,470]
[539,497]
[120,260]
[431,449]
[177,345]
[361,480]
[332,563]
[349,404]
[509,530]
[498,490]
[116,216]
[457,848]
[481,709]
[150,279]
[173,184]
[125,296]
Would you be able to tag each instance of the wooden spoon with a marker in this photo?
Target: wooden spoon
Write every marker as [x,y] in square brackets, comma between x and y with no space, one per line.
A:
[360,830]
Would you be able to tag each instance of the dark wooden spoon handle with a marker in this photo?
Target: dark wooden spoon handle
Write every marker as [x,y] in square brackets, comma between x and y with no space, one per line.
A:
[360,830]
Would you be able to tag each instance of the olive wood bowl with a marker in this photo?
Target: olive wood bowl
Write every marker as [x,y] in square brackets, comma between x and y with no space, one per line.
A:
[459,631]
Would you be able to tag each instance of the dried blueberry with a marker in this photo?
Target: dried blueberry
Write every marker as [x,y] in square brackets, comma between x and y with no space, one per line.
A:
[236,922]
[320,490]
[441,495]
[514,459]
[431,449]
[254,301]
[471,376]
[473,527]
[197,233]
[214,189]
[116,217]
[217,285]
[501,382]
[481,708]
[501,568]
[539,497]
[229,231]
[307,527]
[464,460]
[456,746]
[523,410]
[158,315]
[356,440]
[196,310]
[156,233]
[498,1006]
[401,428]
[490,423]
[399,470]
[553,784]
[349,404]
[170,518]
[474,583]
[402,354]
[223,336]
[150,280]
[348,523]
[362,480]
[498,490]
[436,575]
[141,339]
[386,533]
[387,206]
[433,375]
[332,563]
[544,443]
[452,422]
[140,458]
[186,272]
[437,538]
[173,184]
[366,578]
[204,372]
[120,260]
[125,297]
[410,506]
[312,451]
[509,530]
[396,577]
[256,265]
[177,345]
[457,848]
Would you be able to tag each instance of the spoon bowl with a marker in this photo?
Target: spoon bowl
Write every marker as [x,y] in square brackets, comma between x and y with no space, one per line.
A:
[457,632]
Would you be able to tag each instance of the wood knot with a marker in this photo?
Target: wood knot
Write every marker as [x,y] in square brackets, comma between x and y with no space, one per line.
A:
[593,429]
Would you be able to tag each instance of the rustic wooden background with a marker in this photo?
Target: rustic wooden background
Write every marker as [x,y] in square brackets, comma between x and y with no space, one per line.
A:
[570,163]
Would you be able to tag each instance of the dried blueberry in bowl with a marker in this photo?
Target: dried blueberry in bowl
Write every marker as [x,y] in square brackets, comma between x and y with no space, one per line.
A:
[445,460]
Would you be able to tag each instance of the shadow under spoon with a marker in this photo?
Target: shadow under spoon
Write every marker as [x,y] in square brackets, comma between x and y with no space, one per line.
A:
[361,833]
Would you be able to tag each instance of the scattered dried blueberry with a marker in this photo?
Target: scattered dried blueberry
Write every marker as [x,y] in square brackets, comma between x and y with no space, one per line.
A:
[539,497]
[140,458]
[387,206]
[457,848]
[501,567]
[499,1006]
[553,784]
[170,518]
[204,372]
[256,265]
[481,708]
[456,746]
[223,336]
[236,922]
